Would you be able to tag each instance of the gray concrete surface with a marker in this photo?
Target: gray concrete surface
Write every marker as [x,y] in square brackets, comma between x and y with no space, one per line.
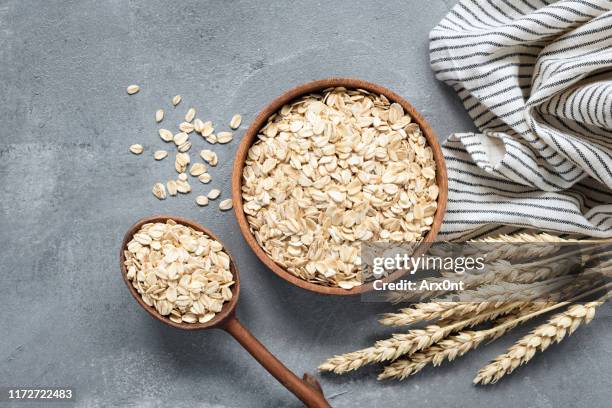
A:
[70,189]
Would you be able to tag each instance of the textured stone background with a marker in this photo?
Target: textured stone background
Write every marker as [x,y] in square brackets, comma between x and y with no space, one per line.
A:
[70,189]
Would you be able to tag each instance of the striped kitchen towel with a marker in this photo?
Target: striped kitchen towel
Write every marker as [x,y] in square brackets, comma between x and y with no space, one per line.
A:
[536,78]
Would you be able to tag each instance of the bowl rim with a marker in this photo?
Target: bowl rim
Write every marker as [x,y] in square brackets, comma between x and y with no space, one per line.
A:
[292,94]
[229,308]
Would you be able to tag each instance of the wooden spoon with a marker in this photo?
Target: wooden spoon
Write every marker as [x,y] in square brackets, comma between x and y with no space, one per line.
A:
[307,389]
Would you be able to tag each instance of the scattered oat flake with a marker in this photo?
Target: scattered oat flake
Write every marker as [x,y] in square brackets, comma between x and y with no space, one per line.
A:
[165,135]
[159,115]
[172,188]
[224,137]
[190,115]
[207,129]
[209,156]
[212,139]
[184,147]
[132,89]
[225,204]
[186,127]
[176,100]
[198,125]
[183,186]
[214,194]
[205,178]
[235,122]
[201,200]
[160,154]
[136,148]
[159,191]
[180,138]
[197,169]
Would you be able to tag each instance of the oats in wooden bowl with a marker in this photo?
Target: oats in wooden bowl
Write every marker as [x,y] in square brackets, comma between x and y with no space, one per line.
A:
[332,169]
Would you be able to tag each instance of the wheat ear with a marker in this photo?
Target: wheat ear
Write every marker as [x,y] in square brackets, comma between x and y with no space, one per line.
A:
[499,271]
[483,299]
[554,331]
[457,345]
[535,238]
[497,248]
[407,343]
[447,349]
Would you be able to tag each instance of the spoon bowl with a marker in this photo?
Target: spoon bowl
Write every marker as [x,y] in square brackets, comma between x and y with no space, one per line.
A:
[229,307]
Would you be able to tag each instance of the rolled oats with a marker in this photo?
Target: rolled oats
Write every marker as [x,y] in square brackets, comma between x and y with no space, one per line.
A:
[181,162]
[166,135]
[197,169]
[159,115]
[226,204]
[224,137]
[209,156]
[330,171]
[207,129]
[172,187]
[201,200]
[186,127]
[159,191]
[184,147]
[180,138]
[136,149]
[182,273]
[213,194]
[205,178]
[235,122]
[198,125]
[190,115]
[160,154]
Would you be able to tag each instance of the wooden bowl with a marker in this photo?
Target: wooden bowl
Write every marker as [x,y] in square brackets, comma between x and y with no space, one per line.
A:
[228,308]
[313,87]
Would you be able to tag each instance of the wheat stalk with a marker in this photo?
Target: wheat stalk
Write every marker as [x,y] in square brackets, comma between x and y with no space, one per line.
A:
[504,271]
[497,247]
[401,344]
[540,338]
[524,237]
[459,344]
[485,298]
[499,271]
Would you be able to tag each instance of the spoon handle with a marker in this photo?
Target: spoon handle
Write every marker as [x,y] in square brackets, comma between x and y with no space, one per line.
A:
[310,396]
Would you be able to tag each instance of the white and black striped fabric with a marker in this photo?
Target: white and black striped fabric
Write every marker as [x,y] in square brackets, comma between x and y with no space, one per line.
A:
[536,78]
